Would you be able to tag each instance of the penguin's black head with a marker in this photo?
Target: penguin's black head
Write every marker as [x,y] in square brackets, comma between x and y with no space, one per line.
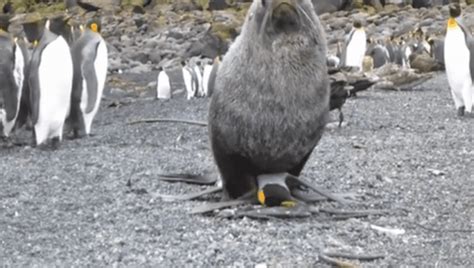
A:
[275,195]
[34,30]
[4,22]
[183,63]
[59,25]
[357,24]
[160,69]
[94,25]
[198,63]
[454,10]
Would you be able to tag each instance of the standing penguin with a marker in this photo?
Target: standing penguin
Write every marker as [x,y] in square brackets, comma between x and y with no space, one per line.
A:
[12,70]
[459,61]
[189,80]
[355,46]
[50,82]
[163,86]
[198,73]
[212,76]
[90,58]
[206,73]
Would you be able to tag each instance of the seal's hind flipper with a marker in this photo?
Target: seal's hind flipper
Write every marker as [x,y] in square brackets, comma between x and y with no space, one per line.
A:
[190,196]
[201,179]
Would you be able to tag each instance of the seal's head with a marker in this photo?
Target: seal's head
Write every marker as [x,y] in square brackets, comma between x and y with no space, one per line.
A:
[283,19]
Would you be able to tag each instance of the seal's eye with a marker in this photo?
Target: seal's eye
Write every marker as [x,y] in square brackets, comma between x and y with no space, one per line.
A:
[264,2]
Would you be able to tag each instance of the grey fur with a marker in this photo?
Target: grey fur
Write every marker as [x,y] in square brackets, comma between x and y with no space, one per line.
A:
[84,52]
[271,99]
[33,79]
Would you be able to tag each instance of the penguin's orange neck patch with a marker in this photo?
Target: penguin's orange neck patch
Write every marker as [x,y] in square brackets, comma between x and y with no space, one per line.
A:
[452,23]
[261,197]
[95,27]
[35,43]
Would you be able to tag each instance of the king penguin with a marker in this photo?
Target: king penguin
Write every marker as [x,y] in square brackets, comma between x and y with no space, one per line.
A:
[459,61]
[355,46]
[198,73]
[212,76]
[50,83]
[189,80]
[90,57]
[206,73]
[12,71]
[163,86]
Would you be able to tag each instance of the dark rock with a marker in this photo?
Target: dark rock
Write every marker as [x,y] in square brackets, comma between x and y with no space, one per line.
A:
[209,46]
[218,5]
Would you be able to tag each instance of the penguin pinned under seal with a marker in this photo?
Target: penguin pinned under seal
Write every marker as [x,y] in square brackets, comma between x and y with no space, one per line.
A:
[50,82]
[12,71]
[90,57]
[163,86]
[459,61]
[355,46]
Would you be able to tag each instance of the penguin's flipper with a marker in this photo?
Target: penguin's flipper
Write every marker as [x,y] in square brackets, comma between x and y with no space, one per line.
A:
[470,45]
[89,74]
[34,88]
[24,109]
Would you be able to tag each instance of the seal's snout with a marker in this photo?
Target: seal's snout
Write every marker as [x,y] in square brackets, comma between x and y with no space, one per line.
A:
[285,15]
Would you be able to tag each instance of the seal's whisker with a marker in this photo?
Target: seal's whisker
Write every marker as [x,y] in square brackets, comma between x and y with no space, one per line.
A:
[263,25]
[305,14]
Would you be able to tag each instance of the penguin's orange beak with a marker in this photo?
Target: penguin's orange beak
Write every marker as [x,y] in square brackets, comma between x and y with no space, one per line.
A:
[95,27]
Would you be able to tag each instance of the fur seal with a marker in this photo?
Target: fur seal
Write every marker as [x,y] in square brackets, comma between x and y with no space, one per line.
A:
[271,96]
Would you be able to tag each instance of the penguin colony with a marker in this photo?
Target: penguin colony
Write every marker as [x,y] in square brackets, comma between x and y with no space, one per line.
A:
[51,78]
[31,87]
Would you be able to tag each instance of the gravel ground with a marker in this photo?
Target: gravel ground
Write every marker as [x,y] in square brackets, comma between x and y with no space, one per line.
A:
[407,152]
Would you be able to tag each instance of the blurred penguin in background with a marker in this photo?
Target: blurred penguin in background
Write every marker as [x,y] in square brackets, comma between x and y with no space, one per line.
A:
[163,86]
[355,46]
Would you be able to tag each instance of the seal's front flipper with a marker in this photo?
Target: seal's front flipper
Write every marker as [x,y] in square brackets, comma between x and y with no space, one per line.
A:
[201,179]
[190,196]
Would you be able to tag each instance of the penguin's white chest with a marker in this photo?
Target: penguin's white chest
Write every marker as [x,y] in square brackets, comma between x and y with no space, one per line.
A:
[55,84]
[356,48]
[163,90]
[205,78]
[456,58]
[188,82]
[100,67]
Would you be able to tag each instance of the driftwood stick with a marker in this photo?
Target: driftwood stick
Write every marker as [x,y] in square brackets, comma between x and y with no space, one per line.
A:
[168,120]
[351,256]
[437,230]
[336,262]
